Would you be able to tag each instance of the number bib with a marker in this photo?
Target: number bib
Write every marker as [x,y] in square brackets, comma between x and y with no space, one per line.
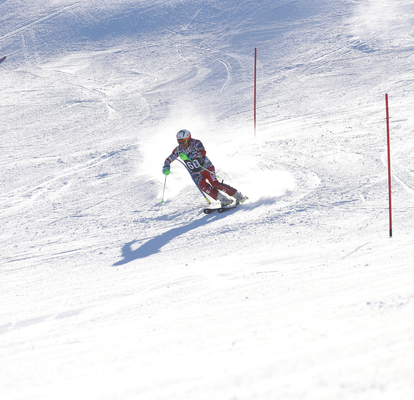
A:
[193,165]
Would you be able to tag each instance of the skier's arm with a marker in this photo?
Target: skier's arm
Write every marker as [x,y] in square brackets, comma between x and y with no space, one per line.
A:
[201,151]
[173,156]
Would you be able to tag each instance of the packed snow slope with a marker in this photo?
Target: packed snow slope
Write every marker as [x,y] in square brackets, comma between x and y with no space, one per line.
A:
[298,294]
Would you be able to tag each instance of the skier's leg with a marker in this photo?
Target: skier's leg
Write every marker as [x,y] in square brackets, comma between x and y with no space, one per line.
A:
[230,191]
[219,185]
[205,187]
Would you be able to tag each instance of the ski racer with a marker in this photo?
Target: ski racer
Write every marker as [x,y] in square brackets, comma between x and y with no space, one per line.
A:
[192,152]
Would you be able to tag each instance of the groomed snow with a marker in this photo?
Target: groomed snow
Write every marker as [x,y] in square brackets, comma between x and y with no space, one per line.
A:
[299,294]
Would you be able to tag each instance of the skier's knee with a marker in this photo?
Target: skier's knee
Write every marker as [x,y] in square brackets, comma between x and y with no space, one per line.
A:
[206,188]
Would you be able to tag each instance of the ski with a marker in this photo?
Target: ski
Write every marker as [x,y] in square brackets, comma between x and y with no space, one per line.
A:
[2,59]
[209,210]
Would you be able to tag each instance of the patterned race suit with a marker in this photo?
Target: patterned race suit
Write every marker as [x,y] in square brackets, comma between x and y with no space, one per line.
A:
[196,151]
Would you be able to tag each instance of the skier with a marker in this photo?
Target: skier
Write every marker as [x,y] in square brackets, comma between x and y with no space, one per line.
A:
[201,168]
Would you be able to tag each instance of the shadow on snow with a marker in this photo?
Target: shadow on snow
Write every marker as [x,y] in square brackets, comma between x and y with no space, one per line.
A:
[154,245]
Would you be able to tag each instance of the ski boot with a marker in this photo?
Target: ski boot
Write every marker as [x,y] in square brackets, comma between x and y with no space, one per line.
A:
[240,199]
[225,201]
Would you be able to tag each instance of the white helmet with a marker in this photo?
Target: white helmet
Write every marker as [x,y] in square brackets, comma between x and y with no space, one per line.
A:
[183,135]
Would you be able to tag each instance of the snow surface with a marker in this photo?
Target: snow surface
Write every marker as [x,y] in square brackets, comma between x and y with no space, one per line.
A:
[299,294]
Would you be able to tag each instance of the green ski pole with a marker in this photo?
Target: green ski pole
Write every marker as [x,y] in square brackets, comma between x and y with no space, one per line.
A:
[165,182]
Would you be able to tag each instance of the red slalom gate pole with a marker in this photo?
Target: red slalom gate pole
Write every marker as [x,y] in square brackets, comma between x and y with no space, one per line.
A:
[389,162]
[255,63]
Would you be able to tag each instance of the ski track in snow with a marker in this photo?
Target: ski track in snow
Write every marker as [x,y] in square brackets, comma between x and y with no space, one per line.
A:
[29,25]
[297,294]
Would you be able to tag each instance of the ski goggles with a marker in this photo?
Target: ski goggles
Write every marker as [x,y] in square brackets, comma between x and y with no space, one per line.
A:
[182,141]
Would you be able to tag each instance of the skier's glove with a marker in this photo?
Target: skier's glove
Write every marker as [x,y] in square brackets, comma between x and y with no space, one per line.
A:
[186,157]
[166,170]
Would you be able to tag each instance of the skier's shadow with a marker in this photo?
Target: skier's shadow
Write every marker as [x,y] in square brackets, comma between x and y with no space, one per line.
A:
[154,245]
